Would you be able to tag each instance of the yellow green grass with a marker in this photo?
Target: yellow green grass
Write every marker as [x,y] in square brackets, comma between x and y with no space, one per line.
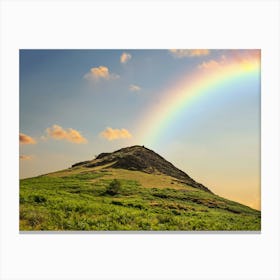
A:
[77,199]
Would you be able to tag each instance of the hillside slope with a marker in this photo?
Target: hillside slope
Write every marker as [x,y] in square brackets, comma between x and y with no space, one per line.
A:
[152,195]
[141,159]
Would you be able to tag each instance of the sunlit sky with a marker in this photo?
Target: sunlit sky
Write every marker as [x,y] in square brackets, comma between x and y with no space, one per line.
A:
[75,104]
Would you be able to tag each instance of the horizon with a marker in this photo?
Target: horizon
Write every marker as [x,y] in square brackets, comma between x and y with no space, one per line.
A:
[75,104]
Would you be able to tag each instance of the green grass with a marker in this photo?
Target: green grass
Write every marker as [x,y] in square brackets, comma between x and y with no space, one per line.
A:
[80,202]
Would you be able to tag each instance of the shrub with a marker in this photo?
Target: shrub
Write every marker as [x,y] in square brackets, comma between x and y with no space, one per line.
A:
[39,199]
[115,202]
[114,187]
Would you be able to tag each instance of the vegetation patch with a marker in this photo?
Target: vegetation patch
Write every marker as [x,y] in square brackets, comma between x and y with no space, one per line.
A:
[93,200]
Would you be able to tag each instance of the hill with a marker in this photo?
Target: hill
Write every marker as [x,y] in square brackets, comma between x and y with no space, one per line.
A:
[141,159]
[133,188]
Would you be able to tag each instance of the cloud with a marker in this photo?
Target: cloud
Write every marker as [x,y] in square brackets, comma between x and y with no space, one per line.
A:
[114,134]
[246,59]
[71,135]
[100,73]
[44,138]
[25,157]
[213,64]
[125,57]
[180,53]
[241,55]
[134,88]
[25,139]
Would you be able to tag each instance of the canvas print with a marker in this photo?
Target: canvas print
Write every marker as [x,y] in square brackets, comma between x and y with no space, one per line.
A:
[140,140]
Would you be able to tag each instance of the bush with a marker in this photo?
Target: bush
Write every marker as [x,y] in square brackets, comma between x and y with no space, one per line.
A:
[114,187]
[39,199]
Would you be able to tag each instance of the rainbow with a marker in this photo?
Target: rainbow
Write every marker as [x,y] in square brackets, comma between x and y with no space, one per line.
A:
[192,88]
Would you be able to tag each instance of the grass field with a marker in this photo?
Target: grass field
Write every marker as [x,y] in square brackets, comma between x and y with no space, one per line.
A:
[77,199]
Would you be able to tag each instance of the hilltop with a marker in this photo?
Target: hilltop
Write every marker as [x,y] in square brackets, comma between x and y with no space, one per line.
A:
[133,188]
[139,158]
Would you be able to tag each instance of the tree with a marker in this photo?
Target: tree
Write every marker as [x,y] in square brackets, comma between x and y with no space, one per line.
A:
[114,187]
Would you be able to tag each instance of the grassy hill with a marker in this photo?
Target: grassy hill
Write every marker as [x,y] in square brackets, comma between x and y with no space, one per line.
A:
[130,189]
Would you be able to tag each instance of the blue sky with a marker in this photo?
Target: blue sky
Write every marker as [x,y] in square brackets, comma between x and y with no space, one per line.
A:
[216,141]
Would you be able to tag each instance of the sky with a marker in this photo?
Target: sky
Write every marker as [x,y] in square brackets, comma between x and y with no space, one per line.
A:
[198,108]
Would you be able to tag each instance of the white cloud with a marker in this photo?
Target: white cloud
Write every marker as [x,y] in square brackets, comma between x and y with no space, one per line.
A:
[71,135]
[180,53]
[25,157]
[100,73]
[114,134]
[125,57]
[214,64]
[134,88]
[26,139]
